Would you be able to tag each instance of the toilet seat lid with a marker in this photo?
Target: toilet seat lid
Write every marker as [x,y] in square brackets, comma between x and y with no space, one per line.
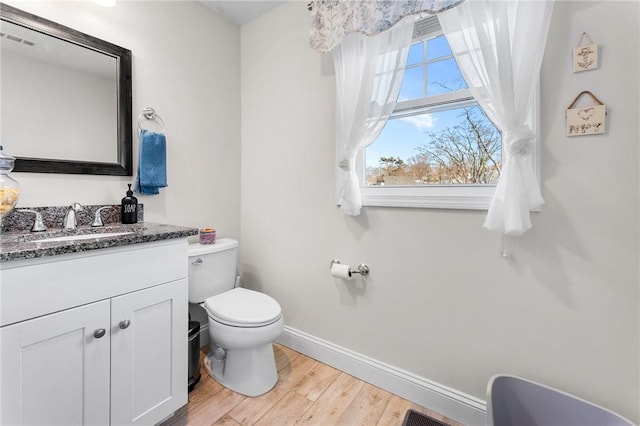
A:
[241,307]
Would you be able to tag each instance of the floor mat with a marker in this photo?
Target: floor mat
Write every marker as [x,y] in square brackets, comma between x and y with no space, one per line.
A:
[413,418]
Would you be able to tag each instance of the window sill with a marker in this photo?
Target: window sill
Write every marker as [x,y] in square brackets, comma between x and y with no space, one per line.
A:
[476,197]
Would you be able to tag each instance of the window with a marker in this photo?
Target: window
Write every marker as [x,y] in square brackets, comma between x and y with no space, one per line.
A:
[438,149]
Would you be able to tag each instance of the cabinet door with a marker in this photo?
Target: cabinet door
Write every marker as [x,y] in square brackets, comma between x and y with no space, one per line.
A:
[55,369]
[149,354]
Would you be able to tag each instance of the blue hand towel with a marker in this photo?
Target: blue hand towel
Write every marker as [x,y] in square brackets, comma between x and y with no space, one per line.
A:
[152,163]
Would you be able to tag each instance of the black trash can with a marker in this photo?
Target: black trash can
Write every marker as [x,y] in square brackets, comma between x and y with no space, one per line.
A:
[194,354]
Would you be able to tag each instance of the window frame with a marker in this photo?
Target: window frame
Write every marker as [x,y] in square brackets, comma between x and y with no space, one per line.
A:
[468,197]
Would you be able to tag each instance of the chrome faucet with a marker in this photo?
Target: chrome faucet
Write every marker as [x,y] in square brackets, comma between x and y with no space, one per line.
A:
[38,224]
[97,220]
[70,221]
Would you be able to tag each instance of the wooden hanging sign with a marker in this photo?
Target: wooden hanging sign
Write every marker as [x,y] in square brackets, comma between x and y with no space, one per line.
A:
[589,120]
[585,56]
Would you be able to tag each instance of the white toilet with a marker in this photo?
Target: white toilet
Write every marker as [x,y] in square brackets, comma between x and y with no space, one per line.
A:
[243,323]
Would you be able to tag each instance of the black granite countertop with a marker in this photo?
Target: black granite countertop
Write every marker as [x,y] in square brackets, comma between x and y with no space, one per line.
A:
[29,245]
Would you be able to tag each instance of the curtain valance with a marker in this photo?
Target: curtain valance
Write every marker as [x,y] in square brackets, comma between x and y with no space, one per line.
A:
[333,19]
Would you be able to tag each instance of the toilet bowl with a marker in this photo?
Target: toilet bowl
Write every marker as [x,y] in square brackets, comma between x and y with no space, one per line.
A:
[243,323]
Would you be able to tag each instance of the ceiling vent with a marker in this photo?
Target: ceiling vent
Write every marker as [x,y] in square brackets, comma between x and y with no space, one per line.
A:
[17,39]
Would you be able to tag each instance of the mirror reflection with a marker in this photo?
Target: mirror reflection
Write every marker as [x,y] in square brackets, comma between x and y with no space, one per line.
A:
[66,98]
[59,100]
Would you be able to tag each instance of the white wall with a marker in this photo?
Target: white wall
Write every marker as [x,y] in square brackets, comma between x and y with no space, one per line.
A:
[440,302]
[91,100]
[186,65]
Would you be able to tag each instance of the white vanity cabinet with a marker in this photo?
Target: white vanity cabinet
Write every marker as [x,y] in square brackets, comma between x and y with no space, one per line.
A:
[98,337]
[54,371]
[149,331]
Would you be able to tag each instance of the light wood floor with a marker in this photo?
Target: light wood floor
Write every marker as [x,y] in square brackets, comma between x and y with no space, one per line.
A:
[308,392]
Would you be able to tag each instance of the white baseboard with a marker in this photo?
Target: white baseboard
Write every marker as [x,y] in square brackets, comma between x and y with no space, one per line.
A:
[449,402]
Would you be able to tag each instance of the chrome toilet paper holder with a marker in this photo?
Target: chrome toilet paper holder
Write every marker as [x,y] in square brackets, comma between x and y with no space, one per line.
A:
[362,268]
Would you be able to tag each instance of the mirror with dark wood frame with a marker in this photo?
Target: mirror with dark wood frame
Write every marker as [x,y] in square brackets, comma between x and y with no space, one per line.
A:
[94,113]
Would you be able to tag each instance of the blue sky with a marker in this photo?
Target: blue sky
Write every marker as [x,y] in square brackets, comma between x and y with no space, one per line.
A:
[401,136]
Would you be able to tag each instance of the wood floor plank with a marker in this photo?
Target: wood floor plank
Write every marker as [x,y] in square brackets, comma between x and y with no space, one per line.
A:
[333,402]
[249,411]
[394,413]
[226,420]
[206,389]
[307,392]
[317,381]
[283,356]
[367,407]
[218,405]
[299,368]
[287,411]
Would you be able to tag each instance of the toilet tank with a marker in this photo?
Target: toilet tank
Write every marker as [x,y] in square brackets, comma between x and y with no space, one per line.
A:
[212,268]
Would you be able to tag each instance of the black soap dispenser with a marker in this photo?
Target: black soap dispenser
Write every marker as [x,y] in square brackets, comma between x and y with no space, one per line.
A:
[129,211]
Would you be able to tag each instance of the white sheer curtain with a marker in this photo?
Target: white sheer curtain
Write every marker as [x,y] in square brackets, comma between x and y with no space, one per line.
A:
[498,46]
[369,72]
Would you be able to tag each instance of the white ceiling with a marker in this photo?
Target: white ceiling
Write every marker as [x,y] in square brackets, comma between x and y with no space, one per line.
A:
[241,11]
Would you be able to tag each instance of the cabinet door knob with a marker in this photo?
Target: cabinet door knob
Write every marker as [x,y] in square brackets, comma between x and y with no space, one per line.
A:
[99,333]
[124,324]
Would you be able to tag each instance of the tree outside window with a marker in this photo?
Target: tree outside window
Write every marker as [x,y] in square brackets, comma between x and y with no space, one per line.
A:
[437,135]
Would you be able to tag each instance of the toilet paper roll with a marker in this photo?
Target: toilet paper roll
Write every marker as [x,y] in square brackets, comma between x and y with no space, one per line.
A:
[341,271]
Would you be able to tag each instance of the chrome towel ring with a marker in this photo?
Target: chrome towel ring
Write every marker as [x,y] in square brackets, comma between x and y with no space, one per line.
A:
[150,114]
